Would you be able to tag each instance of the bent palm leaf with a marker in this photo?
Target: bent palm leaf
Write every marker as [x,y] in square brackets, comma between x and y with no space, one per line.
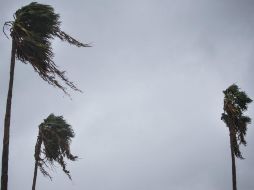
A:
[34,27]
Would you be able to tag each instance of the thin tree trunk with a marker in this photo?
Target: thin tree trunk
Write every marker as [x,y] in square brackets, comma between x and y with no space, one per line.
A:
[5,153]
[233,161]
[36,157]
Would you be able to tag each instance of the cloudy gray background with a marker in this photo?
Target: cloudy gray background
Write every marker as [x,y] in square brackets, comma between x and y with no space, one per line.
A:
[149,117]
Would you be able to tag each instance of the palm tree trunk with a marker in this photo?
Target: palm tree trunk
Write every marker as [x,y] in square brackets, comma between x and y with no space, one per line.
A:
[233,161]
[5,153]
[37,157]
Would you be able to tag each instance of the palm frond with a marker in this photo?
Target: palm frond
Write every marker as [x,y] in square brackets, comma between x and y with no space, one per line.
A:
[56,137]
[34,27]
[235,104]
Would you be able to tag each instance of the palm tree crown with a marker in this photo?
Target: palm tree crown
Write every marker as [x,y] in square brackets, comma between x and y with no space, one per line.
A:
[55,135]
[235,103]
[33,28]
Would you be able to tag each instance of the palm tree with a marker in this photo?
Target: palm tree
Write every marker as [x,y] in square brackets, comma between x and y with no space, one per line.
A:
[33,28]
[235,103]
[55,137]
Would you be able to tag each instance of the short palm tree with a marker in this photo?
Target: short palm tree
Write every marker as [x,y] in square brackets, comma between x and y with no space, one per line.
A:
[235,104]
[33,28]
[53,145]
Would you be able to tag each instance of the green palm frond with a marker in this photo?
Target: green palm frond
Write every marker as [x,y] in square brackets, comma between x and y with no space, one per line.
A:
[235,104]
[56,137]
[34,27]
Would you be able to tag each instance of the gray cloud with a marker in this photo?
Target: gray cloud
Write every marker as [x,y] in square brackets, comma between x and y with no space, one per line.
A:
[149,117]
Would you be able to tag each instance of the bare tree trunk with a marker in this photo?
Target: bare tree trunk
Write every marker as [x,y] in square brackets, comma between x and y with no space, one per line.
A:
[233,160]
[5,153]
[37,158]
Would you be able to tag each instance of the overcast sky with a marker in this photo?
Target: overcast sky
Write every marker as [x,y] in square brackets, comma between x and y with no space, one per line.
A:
[149,117]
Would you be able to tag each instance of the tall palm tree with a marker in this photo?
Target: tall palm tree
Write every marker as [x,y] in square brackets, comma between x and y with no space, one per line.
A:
[235,104]
[33,28]
[55,137]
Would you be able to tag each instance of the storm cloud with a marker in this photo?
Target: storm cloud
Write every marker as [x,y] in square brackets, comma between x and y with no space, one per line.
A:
[149,117]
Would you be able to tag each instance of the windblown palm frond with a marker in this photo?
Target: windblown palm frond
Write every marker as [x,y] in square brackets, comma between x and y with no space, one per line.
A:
[33,28]
[56,137]
[235,103]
